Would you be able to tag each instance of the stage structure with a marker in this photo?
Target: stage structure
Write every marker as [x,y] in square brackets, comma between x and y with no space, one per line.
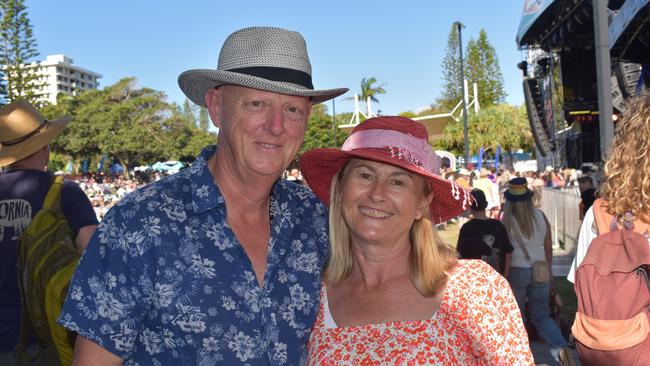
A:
[560,73]
[435,123]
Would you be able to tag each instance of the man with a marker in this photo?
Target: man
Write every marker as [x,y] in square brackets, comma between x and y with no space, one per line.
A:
[587,194]
[485,238]
[220,263]
[24,154]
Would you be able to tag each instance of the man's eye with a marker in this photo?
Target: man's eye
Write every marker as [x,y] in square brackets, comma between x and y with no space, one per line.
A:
[294,112]
[255,105]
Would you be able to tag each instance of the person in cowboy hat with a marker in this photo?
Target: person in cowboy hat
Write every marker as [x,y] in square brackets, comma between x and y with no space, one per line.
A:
[393,292]
[221,262]
[530,234]
[24,152]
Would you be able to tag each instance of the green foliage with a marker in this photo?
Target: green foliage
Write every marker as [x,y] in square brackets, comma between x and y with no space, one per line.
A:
[483,69]
[320,131]
[204,119]
[17,49]
[188,112]
[134,125]
[501,124]
[452,83]
[368,90]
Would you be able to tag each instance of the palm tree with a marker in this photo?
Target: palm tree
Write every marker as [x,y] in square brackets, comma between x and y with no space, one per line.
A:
[367,90]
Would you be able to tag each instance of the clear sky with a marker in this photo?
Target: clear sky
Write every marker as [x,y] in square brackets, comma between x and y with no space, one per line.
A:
[401,43]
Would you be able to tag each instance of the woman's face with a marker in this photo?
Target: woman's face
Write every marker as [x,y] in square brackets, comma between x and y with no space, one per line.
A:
[380,202]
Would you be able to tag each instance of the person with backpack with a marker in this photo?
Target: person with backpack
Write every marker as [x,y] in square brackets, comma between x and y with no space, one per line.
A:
[530,271]
[24,184]
[612,264]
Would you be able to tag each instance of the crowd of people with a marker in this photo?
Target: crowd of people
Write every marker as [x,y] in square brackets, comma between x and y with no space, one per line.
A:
[340,263]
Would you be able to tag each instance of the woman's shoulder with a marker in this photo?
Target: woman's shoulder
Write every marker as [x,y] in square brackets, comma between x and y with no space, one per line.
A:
[473,284]
[471,275]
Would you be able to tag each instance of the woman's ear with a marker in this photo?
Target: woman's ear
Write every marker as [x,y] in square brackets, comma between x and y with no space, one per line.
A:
[425,202]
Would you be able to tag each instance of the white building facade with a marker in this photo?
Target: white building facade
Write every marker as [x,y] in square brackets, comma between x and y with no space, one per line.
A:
[60,75]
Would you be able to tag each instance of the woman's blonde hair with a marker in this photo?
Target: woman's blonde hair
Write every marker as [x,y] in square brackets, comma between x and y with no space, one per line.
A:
[430,257]
[626,186]
[520,212]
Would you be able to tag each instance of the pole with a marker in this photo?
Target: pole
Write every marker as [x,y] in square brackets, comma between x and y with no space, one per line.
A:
[462,78]
[334,122]
[603,74]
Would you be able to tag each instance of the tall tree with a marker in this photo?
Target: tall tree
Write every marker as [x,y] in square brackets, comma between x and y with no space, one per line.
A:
[369,90]
[452,83]
[17,50]
[483,69]
[188,112]
[204,119]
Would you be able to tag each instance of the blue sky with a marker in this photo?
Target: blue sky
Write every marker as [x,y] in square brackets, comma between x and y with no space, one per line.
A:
[401,43]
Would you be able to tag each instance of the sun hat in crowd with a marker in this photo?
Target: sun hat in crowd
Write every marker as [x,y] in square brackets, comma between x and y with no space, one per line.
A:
[518,190]
[264,58]
[398,141]
[23,131]
[480,202]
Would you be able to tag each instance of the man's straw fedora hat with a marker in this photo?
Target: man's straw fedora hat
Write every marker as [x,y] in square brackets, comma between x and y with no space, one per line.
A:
[264,58]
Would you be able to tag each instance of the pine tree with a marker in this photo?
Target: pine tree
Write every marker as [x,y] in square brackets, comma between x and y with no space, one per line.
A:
[204,119]
[483,69]
[17,50]
[452,84]
[188,112]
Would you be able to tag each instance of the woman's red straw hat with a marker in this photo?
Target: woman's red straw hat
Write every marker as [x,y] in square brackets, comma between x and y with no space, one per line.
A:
[398,141]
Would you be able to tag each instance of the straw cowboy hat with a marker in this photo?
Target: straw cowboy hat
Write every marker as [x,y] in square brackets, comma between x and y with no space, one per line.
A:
[265,58]
[23,131]
[398,141]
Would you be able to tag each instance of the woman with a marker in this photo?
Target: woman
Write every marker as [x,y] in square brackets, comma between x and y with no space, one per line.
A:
[530,235]
[484,237]
[393,293]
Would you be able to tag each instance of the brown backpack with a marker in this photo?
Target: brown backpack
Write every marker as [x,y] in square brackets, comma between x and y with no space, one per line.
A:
[612,323]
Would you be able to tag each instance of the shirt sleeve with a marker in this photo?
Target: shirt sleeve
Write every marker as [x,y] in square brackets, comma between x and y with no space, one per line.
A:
[77,207]
[507,245]
[586,235]
[495,328]
[111,289]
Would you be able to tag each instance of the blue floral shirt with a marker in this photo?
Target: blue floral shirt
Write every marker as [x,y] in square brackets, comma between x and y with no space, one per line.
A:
[164,280]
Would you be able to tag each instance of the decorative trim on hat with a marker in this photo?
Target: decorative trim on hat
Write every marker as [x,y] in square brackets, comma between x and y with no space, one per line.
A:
[277,74]
[412,149]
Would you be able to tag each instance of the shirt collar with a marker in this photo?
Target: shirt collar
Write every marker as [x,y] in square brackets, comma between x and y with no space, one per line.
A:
[205,192]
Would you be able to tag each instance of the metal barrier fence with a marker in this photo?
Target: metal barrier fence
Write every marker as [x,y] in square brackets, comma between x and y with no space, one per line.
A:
[561,209]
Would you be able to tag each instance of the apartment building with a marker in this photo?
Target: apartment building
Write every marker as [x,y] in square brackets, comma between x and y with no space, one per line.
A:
[60,75]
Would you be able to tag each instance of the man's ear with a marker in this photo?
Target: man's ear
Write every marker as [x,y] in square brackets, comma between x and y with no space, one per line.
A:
[214,101]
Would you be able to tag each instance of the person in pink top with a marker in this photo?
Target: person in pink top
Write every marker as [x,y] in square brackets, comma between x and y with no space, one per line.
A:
[393,293]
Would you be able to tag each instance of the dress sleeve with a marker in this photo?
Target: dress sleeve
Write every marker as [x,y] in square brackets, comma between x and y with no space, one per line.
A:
[495,329]
[111,289]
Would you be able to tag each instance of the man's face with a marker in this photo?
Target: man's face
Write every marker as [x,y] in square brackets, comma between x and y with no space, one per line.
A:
[260,130]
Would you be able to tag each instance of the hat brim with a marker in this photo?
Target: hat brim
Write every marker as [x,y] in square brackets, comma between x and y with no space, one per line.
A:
[518,197]
[195,83]
[14,153]
[319,166]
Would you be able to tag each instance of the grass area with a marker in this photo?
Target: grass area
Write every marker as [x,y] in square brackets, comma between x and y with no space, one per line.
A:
[570,303]
[449,233]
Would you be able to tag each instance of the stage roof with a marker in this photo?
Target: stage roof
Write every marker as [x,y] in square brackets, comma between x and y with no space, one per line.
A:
[533,10]
[434,123]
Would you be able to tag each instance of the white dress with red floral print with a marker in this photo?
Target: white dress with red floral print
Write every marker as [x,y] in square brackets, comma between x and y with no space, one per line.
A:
[478,323]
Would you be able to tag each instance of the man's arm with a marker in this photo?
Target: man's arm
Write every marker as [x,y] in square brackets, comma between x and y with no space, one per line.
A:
[81,241]
[89,353]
